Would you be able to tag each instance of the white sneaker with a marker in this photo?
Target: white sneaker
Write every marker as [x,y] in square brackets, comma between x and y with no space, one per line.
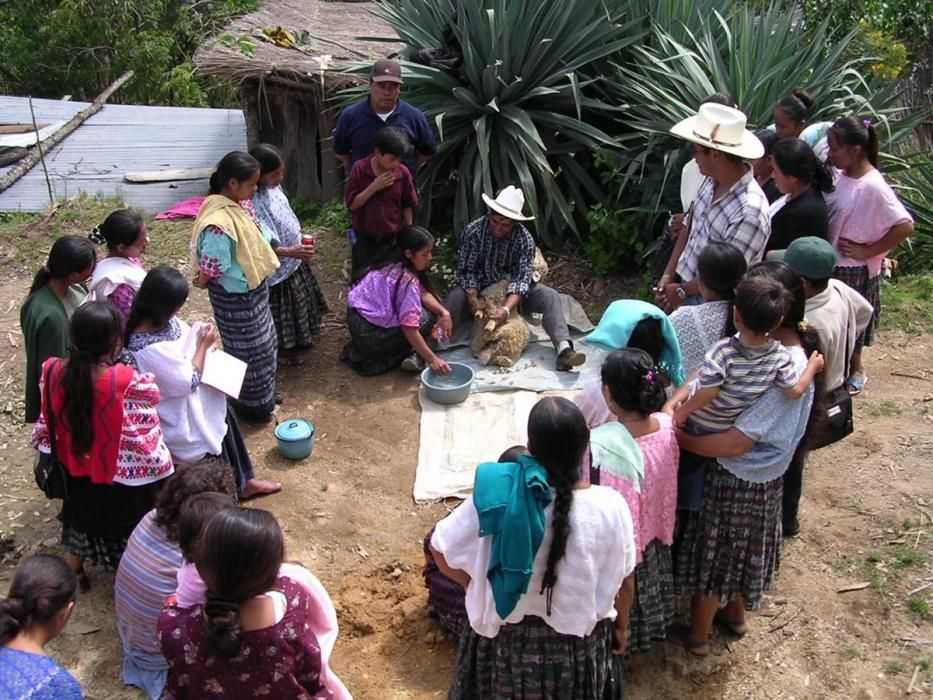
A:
[413,363]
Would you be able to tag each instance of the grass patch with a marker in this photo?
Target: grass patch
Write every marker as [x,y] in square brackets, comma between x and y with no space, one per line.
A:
[25,239]
[885,409]
[893,668]
[908,304]
[920,606]
[904,557]
[851,654]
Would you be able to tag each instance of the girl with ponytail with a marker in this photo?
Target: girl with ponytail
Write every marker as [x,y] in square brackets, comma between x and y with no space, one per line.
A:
[107,436]
[57,290]
[263,624]
[633,391]
[393,313]
[233,257]
[117,277]
[295,297]
[575,541]
[866,222]
[35,611]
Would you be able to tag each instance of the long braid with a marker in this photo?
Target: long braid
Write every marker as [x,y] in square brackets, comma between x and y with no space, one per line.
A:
[560,526]
[557,438]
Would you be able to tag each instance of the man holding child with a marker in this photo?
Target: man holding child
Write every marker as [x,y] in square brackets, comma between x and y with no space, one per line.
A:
[497,246]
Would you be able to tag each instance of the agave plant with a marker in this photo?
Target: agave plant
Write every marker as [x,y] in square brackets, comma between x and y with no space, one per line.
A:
[915,186]
[758,55]
[520,109]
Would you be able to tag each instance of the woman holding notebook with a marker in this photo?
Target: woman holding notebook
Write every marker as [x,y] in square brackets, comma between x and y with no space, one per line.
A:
[195,418]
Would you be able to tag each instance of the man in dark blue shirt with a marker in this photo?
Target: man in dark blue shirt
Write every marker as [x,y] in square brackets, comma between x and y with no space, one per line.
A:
[358,124]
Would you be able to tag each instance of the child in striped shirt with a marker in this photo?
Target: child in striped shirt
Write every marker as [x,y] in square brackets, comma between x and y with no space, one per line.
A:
[738,370]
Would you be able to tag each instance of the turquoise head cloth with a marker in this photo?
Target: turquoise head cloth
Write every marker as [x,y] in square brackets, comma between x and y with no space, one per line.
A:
[616,326]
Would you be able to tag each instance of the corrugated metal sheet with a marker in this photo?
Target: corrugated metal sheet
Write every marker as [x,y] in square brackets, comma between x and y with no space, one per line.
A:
[120,139]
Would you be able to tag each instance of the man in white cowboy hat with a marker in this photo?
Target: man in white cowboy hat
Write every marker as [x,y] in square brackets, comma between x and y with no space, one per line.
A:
[495,246]
[729,206]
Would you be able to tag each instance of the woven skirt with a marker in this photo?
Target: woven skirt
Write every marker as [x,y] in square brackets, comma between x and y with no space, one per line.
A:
[530,661]
[653,608]
[233,451]
[446,597]
[376,350]
[868,287]
[248,333]
[732,546]
[97,519]
[298,307]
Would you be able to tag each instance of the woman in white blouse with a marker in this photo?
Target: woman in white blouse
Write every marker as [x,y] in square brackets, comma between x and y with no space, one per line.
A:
[563,630]
[195,418]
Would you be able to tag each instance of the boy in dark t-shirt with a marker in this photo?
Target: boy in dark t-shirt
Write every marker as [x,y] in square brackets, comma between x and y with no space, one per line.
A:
[381,197]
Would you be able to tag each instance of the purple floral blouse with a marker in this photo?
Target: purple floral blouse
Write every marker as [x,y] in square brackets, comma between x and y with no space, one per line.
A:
[280,661]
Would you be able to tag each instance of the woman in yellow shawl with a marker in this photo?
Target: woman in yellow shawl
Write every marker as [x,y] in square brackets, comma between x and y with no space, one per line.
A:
[233,257]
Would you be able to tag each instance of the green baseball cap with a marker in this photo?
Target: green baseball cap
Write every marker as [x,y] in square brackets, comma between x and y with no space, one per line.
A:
[809,257]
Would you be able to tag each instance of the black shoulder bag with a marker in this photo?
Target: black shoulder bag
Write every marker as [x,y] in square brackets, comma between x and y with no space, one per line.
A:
[835,422]
[51,475]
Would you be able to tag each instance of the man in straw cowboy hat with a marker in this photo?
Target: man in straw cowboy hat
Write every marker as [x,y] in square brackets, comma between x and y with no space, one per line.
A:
[729,207]
[497,246]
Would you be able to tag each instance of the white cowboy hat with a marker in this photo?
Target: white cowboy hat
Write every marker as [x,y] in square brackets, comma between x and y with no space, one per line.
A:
[720,128]
[509,202]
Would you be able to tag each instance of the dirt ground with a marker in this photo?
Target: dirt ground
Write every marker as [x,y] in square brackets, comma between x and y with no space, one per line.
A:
[348,515]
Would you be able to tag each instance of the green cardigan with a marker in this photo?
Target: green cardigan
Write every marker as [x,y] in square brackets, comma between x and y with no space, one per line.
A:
[44,320]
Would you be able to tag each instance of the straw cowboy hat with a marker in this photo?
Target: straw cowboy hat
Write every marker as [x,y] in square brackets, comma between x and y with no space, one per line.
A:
[509,203]
[720,128]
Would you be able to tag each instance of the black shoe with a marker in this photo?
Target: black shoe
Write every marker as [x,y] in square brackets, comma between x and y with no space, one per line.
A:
[569,358]
[791,529]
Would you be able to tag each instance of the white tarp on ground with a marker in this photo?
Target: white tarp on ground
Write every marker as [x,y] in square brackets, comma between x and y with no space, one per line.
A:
[454,439]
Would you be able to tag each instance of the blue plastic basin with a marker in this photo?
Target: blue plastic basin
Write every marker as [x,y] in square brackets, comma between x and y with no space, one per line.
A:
[448,388]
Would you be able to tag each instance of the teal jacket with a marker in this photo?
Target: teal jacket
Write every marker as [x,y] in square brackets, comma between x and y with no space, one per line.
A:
[510,499]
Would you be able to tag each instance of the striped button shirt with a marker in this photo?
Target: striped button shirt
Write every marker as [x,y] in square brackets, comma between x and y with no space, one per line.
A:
[740,217]
[485,259]
[743,374]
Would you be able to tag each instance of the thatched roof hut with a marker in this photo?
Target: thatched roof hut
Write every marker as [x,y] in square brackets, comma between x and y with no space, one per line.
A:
[290,94]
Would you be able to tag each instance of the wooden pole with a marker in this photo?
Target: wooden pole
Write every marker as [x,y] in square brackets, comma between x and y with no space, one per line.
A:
[35,126]
[27,163]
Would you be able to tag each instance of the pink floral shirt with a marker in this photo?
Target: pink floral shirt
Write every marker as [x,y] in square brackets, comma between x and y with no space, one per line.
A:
[659,489]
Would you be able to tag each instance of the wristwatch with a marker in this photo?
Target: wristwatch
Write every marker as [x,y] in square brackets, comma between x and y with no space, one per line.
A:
[681,294]
[508,312]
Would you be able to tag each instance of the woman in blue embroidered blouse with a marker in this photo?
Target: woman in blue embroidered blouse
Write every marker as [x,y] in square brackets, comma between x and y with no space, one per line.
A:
[40,602]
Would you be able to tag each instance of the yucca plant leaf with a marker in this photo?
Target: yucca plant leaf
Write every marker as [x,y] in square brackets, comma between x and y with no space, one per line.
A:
[524,103]
[757,53]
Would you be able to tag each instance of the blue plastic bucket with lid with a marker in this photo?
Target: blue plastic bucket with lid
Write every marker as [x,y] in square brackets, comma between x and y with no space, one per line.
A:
[295,437]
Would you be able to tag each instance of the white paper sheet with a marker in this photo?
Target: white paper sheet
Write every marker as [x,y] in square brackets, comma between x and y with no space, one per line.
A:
[222,370]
